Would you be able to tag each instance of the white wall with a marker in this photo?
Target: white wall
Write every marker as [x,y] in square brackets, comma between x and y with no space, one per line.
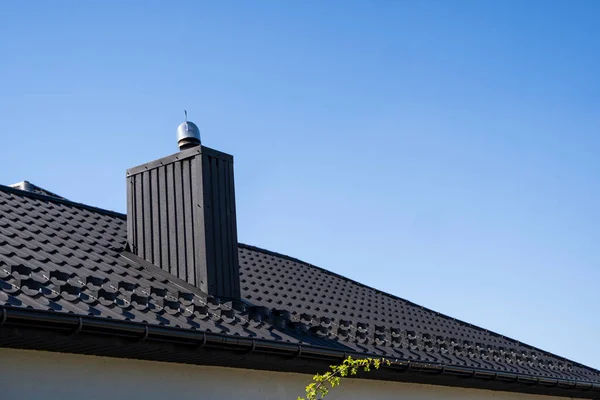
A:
[26,374]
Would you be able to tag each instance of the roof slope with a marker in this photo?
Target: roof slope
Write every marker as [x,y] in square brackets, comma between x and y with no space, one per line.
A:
[65,257]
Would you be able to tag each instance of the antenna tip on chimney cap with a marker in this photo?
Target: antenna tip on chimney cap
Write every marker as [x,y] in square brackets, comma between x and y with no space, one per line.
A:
[188,135]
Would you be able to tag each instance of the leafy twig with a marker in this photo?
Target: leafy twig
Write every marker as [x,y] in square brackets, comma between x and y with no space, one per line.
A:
[319,387]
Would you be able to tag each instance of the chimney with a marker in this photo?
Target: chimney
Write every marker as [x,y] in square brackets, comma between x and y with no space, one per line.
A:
[181,215]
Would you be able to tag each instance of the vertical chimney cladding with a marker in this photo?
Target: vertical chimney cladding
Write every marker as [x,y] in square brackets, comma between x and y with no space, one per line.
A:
[181,215]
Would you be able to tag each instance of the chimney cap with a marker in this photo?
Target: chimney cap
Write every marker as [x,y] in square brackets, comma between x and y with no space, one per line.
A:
[188,135]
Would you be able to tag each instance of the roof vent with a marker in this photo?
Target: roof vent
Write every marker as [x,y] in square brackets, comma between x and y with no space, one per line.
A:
[188,134]
[31,188]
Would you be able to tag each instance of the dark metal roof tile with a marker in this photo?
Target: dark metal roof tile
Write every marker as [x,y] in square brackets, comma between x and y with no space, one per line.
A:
[66,257]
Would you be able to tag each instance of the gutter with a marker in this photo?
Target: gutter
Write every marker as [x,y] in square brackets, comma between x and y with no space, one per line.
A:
[73,325]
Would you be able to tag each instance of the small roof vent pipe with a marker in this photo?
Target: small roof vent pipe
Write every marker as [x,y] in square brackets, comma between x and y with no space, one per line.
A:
[188,134]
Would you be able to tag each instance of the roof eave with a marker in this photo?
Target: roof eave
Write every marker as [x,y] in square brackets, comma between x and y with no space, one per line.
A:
[60,332]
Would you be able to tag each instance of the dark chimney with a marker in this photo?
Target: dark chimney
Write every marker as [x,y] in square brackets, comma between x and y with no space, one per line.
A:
[181,215]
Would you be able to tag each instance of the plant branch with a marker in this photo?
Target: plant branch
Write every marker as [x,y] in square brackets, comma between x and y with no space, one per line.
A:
[318,389]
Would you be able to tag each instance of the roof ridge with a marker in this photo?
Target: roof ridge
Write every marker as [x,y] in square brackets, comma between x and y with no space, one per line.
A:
[439,314]
[33,188]
[24,193]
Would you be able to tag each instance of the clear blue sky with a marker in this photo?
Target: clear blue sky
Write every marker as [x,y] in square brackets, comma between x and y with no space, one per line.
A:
[446,152]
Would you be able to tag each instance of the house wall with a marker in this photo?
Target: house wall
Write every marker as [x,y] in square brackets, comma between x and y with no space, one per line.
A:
[26,374]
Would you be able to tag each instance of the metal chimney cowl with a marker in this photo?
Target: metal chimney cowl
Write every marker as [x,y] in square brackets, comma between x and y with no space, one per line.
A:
[188,135]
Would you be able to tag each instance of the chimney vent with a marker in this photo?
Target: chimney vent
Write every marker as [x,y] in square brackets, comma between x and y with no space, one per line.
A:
[188,135]
[181,215]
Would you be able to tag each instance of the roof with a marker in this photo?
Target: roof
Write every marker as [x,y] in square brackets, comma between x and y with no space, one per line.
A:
[63,259]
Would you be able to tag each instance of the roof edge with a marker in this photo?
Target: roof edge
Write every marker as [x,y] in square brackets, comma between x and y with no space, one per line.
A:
[85,328]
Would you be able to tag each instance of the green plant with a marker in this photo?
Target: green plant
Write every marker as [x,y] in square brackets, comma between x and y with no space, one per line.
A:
[321,383]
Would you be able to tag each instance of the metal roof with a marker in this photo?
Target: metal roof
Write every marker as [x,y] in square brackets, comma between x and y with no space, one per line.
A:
[70,260]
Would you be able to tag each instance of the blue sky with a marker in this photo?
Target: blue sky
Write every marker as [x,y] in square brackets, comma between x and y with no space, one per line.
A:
[442,151]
